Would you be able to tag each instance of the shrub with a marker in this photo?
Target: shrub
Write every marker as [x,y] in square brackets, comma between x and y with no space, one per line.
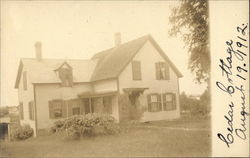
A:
[23,132]
[196,107]
[58,126]
[88,125]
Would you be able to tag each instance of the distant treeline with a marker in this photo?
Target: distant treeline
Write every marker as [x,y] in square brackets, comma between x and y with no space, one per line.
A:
[195,106]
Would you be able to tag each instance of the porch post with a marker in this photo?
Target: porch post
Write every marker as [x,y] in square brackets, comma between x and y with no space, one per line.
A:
[9,132]
[90,105]
[67,107]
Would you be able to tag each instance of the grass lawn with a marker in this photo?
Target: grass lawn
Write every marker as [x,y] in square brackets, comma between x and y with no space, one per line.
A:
[136,142]
[183,122]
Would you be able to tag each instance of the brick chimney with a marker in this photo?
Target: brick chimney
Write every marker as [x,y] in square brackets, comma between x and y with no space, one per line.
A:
[118,39]
[38,47]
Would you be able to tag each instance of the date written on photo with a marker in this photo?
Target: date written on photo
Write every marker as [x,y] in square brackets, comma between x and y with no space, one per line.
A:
[235,83]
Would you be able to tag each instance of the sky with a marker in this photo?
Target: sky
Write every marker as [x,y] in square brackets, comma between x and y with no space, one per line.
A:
[79,29]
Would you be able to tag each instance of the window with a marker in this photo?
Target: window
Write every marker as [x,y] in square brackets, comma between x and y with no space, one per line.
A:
[107,103]
[74,106]
[25,80]
[136,70]
[21,110]
[169,102]
[31,110]
[154,102]
[86,105]
[162,71]
[97,105]
[56,108]
[65,74]
[76,111]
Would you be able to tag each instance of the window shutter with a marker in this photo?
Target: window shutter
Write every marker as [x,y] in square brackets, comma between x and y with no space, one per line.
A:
[70,102]
[51,114]
[159,102]
[157,70]
[92,109]
[82,109]
[167,71]
[64,108]
[136,70]
[164,102]
[174,101]
[149,102]
[25,80]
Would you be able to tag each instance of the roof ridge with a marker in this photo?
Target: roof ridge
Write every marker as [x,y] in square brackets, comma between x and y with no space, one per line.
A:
[111,62]
[64,59]
[109,49]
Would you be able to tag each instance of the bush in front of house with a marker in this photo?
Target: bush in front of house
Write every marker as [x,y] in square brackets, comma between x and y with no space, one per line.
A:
[87,125]
[23,132]
[58,126]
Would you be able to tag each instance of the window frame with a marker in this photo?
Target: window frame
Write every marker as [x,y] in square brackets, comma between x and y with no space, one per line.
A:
[66,82]
[52,109]
[159,104]
[159,75]
[172,102]
[74,108]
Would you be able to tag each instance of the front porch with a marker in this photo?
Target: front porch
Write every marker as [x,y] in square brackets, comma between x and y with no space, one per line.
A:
[85,103]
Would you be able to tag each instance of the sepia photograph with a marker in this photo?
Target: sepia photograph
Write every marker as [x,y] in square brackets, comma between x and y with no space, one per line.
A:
[106,79]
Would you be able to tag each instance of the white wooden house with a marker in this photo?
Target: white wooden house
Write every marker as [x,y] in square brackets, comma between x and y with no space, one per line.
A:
[135,74]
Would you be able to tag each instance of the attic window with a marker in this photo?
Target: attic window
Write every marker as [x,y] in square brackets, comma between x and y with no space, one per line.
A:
[65,75]
[162,71]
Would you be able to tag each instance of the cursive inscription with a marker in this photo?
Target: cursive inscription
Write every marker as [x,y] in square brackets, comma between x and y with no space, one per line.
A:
[235,77]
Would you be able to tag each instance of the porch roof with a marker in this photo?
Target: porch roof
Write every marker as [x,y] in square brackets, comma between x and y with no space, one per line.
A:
[5,120]
[128,90]
[93,94]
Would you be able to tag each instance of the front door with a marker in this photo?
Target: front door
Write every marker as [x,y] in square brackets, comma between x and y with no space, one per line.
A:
[134,104]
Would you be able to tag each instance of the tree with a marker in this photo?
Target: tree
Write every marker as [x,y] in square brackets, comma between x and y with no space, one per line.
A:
[184,104]
[190,20]
[205,101]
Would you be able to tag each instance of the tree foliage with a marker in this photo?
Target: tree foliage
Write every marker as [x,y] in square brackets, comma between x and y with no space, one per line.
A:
[196,106]
[190,20]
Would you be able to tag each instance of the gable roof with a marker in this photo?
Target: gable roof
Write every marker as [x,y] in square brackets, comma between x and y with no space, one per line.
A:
[44,71]
[103,65]
[111,62]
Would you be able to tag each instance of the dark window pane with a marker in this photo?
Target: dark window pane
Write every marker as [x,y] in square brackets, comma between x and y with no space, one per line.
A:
[76,111]
[58,113]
